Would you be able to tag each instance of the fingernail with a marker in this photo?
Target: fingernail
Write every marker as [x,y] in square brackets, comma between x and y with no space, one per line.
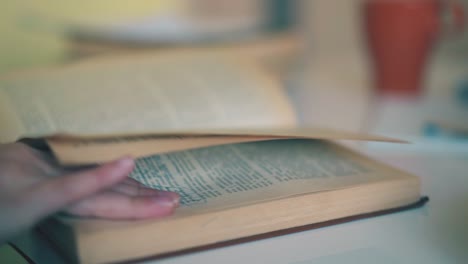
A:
[125,162]
[119,169]
[167,199]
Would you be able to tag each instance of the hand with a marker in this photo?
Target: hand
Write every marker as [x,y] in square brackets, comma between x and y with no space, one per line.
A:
[33,186]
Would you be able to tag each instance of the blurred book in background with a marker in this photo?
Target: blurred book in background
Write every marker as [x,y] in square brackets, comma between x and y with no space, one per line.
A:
[262,29]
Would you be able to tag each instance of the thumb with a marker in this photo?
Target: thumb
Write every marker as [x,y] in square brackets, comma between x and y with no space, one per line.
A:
[59,192]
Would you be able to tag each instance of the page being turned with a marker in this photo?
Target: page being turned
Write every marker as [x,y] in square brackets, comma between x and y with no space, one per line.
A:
[138,94]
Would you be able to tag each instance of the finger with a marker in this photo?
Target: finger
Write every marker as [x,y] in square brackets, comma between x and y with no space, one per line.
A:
[61,191]
[131,181]
[134,190]
[113,205]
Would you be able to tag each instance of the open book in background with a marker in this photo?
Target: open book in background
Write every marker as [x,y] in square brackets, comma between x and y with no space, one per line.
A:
[277,52]
[216,128]
[263,29]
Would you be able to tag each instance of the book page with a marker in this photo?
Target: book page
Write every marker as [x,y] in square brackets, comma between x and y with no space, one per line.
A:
[141,93]
[70,150]
[239,174]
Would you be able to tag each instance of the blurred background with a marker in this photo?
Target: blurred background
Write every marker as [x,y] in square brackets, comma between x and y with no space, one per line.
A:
[334,57]
[39,33]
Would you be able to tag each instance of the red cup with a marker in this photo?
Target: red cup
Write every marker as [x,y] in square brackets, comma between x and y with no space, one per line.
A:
[401,35]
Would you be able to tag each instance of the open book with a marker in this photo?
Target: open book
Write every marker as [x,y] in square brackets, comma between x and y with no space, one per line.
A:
[216,129]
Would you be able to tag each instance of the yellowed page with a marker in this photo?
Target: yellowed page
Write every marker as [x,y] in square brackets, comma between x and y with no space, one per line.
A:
[146,93]
[234,175]
[84,150]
